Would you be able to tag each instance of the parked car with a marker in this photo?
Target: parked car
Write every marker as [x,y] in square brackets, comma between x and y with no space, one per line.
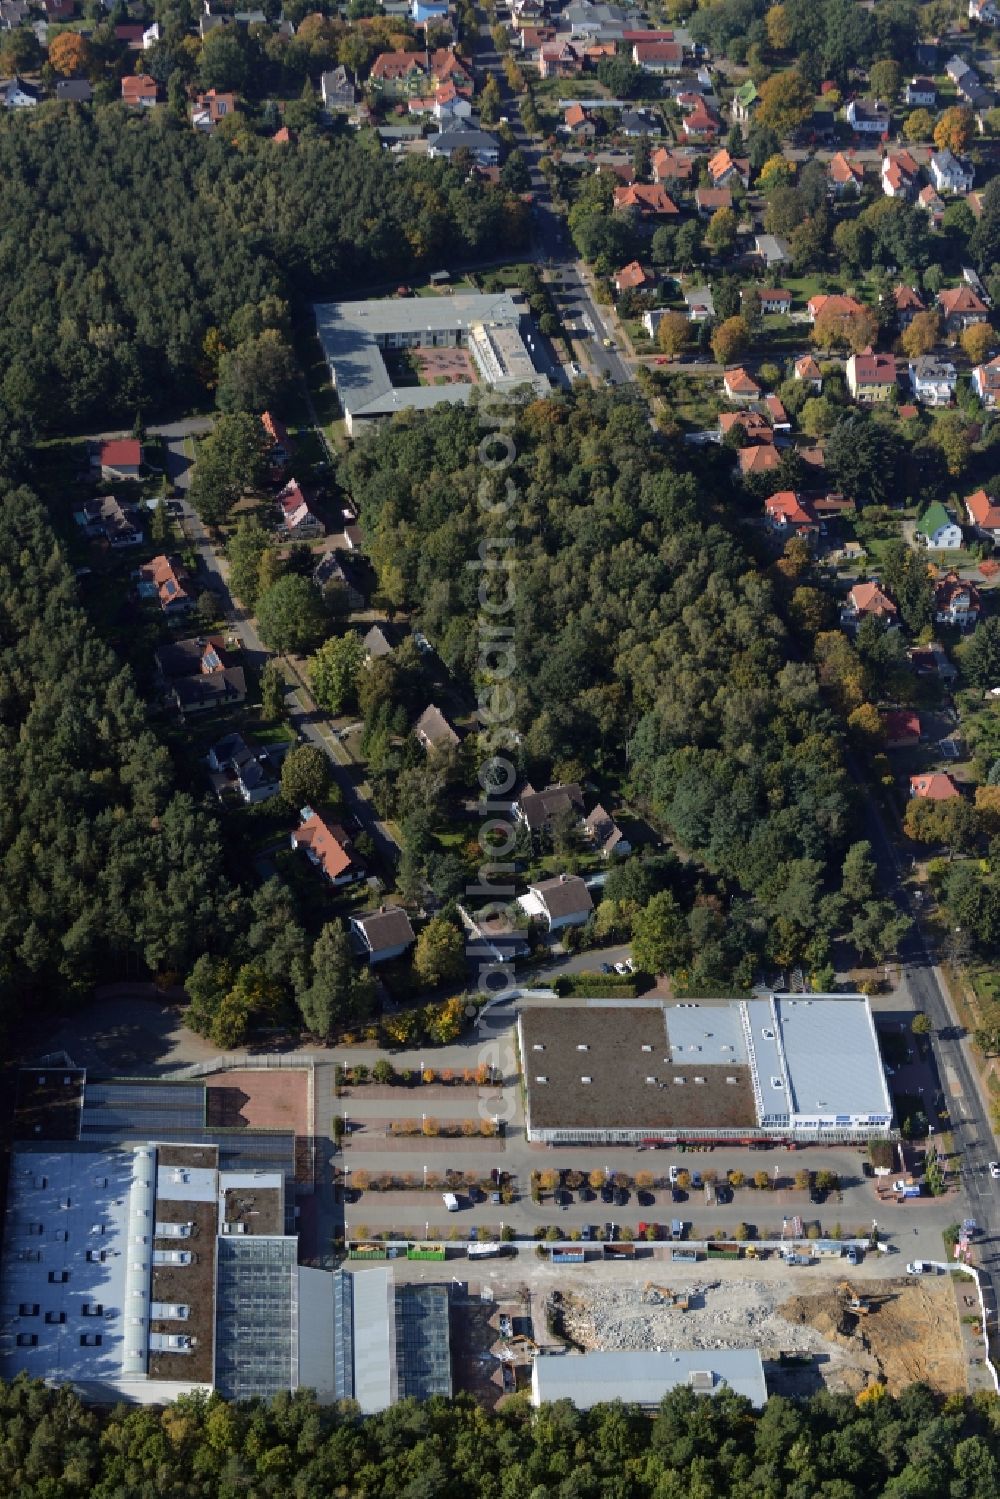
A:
[995,1170]
[921,1267]
[587,1231]
[607,1193]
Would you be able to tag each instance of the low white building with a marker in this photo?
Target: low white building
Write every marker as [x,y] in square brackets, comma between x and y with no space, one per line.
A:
[950,173]
[933,381]
[557,903]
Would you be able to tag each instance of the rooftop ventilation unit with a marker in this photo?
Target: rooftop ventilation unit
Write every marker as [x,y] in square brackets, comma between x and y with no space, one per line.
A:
[699,1079]
[730,1079]
[586,1079]
[776,1082]
[767,1034]
[647,1048]
[538,1046]
[582,1046]
[651,1079]
[541,1079]
[679,1081]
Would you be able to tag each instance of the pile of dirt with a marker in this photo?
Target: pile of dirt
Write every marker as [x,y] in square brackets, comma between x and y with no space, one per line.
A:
[910,1333]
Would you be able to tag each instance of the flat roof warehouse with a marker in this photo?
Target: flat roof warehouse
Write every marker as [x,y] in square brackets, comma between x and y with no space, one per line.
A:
[771,1067]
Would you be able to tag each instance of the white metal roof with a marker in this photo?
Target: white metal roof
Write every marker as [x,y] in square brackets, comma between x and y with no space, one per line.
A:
[644,1378]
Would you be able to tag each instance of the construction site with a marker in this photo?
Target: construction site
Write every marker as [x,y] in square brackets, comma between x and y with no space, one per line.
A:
[839,1335]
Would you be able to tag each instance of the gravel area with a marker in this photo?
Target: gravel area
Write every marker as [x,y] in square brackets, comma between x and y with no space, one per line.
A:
[721,1315]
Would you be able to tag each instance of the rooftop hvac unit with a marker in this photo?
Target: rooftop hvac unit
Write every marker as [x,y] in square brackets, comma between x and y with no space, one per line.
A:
[767,1034]
[678,1080]
[701,1379]
[586,1079]
[582,1046]
[651,1079]
[541,1079]
[730,1079]
[699,1079]
[647,1048]
[538,1046]
[776,1082]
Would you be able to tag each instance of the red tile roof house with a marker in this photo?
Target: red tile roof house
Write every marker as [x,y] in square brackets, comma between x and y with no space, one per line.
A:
[956,602]
[324,848]
[774,299]
[701,124]
[119,459]
[209,109]
[633,277]
[578,122]
[846,176]
[398,74]
[673,166]
[808,370]
[160,579]
[139,90]
[777,413]
[788,512]
[762,458]
[934,786]
[726,170]
[559,59]
[871,376]
[984,514]
[651,201]
[960,308]
[867,599]
[384,934]
[281,443]
[709,200]
[658,57]
[899,175]
[297,519]
[740,387]
[901,727]
[751,423]
[908,304]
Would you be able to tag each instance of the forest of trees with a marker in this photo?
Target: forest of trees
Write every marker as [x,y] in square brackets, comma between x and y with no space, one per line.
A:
[645,635]
[695,1447]
[130,245]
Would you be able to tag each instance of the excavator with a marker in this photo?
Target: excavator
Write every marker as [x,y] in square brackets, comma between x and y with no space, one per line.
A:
[664,1296]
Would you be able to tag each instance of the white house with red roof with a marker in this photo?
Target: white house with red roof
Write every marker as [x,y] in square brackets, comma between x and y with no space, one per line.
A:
[900,173]
[726,170]
[961,308]
[740,387]
[984,513]
[986,383]
[701,123]
[868,599]
[901,727]
[790,514]
[121,458]
[163,580]
[326,846]
[908,303]
[649,199]
[956,602]
[658,57]
[297,520]
[808,370]
[934,786]
[846,176]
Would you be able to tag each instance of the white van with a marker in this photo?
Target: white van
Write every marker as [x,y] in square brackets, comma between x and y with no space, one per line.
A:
[450,1202]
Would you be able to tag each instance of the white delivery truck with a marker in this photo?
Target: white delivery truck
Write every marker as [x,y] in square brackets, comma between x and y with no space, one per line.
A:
[450,1202]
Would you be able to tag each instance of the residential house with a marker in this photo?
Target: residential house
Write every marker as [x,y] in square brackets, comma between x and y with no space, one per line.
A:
[578,122]
[700,306]
[932,204]
[450,105]
[774,299]
[543,812]
[908,304]
[772,249]
[397,75]
[869,117]
[960,308]
[384,934]
[708,200]
[932,380]
[658,57]
[337,90]
[603,834]
[901,727]
[673,166]
[633,278]
[130,35]
[558,903]
[297,520]
[15,93]
[777,414]
[740,387]
[751,424]
[493,934]
[984,514]
[560,59]
[59,10]
[934,786]
[200,654]
[746,102]
[920,93]
[726,170]
[434,732]
[986,383]
[649,200]
[139,90]
[868,600]
[759,461]
[871,376]
[376,644]
[199,674]
[937,530]
[950,173]
[899,176]
[701,123]
[483,148]
[790,514]
[120,458]
[163,579]
[807,369]
[333,572]
[107,519]
[986,12]
[423,12]
[846,176]
[967,82]
[956,602]
[74,91]
[322,846]
[636,124]
[150,36]
[209,109]
[836,302]
[280,451]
